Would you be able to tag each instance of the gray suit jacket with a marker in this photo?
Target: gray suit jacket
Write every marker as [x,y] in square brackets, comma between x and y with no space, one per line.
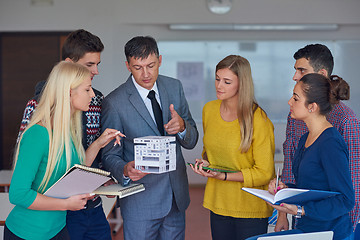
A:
[124,110]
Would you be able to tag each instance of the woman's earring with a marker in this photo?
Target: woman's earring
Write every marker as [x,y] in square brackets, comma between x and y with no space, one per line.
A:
[310,110]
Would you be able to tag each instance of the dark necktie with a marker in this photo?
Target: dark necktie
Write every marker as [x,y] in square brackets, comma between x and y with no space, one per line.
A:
[157,112]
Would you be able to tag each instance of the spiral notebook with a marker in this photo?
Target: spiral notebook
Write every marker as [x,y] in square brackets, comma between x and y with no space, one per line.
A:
[121,191]
[79,179]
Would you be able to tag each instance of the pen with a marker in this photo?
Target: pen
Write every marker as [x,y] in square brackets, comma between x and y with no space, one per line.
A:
[277,179]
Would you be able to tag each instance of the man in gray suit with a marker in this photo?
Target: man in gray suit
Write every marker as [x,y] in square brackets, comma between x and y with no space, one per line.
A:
[159,211]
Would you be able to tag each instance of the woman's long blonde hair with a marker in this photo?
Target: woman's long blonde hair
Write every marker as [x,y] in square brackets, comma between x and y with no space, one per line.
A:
[54,113]
[246,102]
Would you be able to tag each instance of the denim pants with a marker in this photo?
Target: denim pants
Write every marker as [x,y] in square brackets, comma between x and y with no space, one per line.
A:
[88,224]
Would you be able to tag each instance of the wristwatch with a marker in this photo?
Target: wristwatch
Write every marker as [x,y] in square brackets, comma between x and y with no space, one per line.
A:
[299,211]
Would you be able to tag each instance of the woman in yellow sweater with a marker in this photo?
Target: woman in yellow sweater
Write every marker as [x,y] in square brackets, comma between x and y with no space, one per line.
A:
[239,136]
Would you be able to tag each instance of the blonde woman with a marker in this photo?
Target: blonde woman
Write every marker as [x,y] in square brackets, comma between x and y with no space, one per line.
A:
[49,146]
[237,135]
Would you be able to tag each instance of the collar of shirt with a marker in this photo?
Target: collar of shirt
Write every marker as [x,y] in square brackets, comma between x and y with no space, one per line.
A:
[144,92]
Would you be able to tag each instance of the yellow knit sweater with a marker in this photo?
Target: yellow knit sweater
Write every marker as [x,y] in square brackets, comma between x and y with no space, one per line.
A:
[222,146]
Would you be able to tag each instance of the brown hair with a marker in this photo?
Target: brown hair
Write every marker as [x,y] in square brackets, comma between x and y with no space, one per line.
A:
[80,42]
[325,92]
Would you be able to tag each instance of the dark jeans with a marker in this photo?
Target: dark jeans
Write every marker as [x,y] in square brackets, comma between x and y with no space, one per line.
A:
[62,235]
[223,227]
[88,224]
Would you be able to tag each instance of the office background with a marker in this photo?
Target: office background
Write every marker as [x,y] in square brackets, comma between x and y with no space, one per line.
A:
[269,51]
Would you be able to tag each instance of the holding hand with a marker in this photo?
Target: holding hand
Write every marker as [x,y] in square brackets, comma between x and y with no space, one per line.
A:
[108,183]
[287,208]
[282,223]
[108,135]
[176,124]
[272,186]
[78,202]
[198,168]
[133,173]
[102,141]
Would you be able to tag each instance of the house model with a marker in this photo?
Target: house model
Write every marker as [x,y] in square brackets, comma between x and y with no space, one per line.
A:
[155,154]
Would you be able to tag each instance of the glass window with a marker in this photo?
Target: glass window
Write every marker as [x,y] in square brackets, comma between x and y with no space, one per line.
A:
[272,64]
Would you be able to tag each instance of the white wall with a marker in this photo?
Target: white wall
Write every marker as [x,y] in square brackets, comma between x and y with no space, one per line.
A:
[116,21]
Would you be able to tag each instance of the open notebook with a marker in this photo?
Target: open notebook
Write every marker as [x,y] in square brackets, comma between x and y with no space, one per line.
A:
[290,195]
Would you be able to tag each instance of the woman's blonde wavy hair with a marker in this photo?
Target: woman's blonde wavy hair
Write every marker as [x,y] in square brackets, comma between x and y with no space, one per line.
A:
[54,113]
[246,102]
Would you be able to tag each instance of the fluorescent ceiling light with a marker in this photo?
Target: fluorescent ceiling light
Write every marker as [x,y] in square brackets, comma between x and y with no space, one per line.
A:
[254,27]
[42,2]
